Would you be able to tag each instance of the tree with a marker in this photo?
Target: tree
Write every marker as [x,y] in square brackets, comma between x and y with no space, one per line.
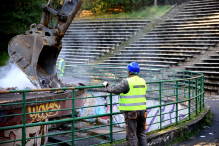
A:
[16,17]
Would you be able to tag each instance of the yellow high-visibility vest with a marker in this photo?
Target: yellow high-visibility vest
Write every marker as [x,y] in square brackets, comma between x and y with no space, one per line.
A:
[60,64]
[135,99]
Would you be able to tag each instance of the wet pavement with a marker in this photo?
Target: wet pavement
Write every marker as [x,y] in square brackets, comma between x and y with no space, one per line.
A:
[209,136]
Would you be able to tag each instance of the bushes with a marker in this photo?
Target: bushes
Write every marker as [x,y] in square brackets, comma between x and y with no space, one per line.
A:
[102,6]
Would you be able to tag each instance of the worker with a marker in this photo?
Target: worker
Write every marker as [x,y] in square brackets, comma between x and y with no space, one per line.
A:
[61,67]
[132,103]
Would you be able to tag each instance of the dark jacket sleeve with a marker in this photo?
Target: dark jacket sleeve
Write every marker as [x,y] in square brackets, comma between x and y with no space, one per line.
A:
[122,87]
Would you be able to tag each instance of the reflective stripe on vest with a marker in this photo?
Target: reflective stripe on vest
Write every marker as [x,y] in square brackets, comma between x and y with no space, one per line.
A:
[133,96]
[132,104]
[135,99]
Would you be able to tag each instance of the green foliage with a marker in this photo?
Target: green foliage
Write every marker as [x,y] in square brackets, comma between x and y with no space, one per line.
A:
[4,57]
[102,6]
[16,16]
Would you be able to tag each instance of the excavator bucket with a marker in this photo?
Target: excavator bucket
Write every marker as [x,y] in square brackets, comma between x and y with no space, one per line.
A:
[34,59]
[36,52]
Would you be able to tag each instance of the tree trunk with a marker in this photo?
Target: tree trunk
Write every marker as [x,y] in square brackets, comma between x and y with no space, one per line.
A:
[155,3]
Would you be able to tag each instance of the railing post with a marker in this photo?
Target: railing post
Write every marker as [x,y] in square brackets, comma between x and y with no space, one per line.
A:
[176,102]
[24,119]
[203,94]
[199,91]
[115,75]
[196,104]
[150,78]
[184,86]
[174,91]
[73,116]
[189,104]
[162,82]
[160,120]
[90,74]
[111,118]
[192,84]
[102,73]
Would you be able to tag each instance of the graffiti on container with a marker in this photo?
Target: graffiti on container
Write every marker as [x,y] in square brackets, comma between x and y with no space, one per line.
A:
[43,108]
[6,119]
[15,134]
[153,114]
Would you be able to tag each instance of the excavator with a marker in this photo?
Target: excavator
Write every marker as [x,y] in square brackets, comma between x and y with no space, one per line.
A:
[36,52]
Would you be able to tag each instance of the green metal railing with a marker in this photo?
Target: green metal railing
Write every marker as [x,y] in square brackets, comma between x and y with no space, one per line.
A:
[168,87]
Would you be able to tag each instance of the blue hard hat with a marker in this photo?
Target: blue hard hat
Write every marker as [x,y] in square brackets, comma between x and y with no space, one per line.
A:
[63,56]
[133,67]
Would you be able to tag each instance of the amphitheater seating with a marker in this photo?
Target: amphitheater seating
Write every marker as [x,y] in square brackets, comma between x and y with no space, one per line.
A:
[190,34]
[87,40]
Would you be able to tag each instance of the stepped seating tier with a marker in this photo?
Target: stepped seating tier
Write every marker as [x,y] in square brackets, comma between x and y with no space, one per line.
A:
[190,34]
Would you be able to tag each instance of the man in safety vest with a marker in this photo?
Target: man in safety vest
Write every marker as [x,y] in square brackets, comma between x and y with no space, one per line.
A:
[61,67]
[132,102]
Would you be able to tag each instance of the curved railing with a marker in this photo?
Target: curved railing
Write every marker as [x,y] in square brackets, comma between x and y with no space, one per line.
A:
[173,96]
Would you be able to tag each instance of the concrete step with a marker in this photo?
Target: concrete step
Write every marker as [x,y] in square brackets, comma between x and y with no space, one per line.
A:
[198,1]
[93,39]
[111,21]
[174,45]
[199,68]
[209,73]
[209,11]
[160,51]
[84,57]
[202,9]
[177,41]
[157,62]
[87,41]
[207,64]
[85,27]
[104,30]
[96,36]
[207,35]
[202,3]
[141,65]
[167,47]
[199,9]
[107,48]
[200,6]
[127,55]
[211,60]
[83,51]
[187,28]
[214,56]
[197,15]
[192,19]
[98,33]
[190,25]
[148,58]
[107,24]
[89,44]
[200,32]
[76,61]
[198,38]
[72,54]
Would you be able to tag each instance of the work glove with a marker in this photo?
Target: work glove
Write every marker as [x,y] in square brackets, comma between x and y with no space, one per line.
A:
[105,83]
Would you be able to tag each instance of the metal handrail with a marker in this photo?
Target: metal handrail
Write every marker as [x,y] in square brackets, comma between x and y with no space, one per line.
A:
[189,88]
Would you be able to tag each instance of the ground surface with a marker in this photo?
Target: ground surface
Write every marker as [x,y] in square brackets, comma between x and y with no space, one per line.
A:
[210,135]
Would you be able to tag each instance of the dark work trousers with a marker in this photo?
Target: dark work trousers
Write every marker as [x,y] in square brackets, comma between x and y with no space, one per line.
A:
[135,128]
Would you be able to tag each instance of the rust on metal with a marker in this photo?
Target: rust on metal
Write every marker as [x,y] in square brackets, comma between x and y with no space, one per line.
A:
[36,90]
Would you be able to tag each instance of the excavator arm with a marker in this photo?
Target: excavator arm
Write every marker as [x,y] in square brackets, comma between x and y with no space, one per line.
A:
[36,52]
